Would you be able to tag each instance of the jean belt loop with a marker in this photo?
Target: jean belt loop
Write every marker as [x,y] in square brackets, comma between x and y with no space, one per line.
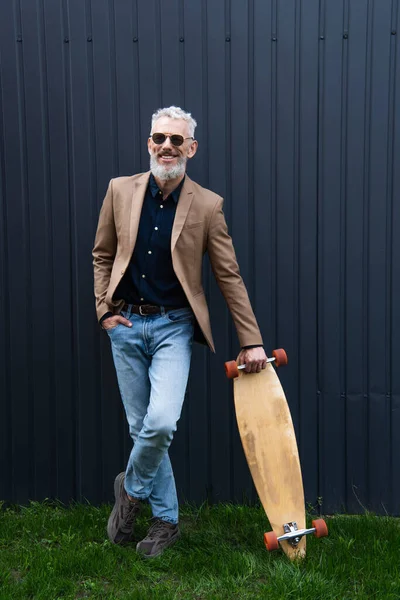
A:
[162,310]
[129,311]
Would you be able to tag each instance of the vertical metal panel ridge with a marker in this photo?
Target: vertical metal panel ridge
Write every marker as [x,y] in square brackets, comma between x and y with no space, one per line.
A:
[356,414]
[69,167]
[307,214]
[91,111]
[90,413]
[390,179]
[296,216]
[49,290]
[205,99]
[274,162]
[389,247]
[181,31]
[395,346]
[250,156]
[366,197]
[94,194]
[67,18]
[25,487]
[58,208]
[159,57]
[343,226]
[332,220]
[379,430]
[228,113]
[263,287]
[5,366]
[113,86]
[136,108]
[320,160]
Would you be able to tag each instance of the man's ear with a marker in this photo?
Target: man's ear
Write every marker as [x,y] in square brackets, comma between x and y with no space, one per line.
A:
[193,148]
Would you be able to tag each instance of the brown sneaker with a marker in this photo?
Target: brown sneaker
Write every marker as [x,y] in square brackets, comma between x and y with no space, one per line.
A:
[160,536]
[123,515]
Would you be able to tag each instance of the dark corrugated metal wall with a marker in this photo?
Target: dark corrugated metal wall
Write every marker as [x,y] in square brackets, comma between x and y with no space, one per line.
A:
[299,129]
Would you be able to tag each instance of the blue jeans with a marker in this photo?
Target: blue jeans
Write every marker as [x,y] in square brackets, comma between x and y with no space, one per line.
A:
[152,361]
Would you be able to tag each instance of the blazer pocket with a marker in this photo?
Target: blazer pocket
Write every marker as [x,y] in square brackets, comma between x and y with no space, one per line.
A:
[193,225]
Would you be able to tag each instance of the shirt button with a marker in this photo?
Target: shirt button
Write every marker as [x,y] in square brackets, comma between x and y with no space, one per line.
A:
[161,205]
[149,252]
[156,228]
[144,276]
[141,299]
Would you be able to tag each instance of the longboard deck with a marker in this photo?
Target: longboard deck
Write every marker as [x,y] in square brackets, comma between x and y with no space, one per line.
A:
[270,446]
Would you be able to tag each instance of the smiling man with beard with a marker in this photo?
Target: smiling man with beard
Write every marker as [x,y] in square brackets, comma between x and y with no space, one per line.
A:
[153,231]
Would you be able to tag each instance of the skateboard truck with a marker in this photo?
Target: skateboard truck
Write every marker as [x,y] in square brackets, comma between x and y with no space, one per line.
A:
[293,535]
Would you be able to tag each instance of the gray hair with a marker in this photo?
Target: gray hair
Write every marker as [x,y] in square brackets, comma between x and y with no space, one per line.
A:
[174,112]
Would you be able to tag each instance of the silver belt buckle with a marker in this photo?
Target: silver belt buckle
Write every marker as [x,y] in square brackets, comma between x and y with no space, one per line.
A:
[140,311]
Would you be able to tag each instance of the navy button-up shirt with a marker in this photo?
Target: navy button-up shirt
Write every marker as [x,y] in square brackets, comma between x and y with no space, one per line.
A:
[150,277]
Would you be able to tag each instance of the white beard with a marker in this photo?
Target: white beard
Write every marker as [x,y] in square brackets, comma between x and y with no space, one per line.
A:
[166,173]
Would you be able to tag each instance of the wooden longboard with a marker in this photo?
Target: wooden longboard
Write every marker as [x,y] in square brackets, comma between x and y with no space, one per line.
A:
[269,442]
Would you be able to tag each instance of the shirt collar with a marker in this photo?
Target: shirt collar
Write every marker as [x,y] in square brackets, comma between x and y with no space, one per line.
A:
[154,189]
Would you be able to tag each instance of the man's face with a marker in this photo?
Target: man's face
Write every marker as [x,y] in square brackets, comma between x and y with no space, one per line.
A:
[166,160]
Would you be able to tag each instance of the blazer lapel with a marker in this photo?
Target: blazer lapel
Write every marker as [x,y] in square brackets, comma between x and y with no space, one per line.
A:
[138,194]
[182,209]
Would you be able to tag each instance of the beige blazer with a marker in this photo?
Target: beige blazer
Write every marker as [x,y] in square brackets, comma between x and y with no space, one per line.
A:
[199,227]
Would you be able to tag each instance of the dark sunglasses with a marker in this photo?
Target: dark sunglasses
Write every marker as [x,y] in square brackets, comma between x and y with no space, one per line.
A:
[176,138]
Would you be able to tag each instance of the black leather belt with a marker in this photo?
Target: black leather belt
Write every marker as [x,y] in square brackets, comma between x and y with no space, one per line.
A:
[147,309]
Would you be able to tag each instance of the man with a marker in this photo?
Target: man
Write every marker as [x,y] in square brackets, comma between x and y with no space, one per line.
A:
[153,231]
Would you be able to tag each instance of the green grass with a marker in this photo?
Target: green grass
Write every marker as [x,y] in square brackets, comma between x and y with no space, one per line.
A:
[48,552]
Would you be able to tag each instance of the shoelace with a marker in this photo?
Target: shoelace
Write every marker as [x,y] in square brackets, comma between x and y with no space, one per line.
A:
[158,525]
[131,513]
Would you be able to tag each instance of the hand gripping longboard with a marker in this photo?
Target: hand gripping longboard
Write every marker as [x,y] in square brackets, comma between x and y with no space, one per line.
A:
[279,356]
[269,442]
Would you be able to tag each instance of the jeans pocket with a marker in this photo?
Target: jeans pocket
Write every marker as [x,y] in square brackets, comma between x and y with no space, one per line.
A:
[180,315]
[123,313]
[111,329]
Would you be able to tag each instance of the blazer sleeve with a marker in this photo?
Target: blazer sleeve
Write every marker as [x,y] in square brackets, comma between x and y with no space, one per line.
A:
[104,251]
[226,271]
